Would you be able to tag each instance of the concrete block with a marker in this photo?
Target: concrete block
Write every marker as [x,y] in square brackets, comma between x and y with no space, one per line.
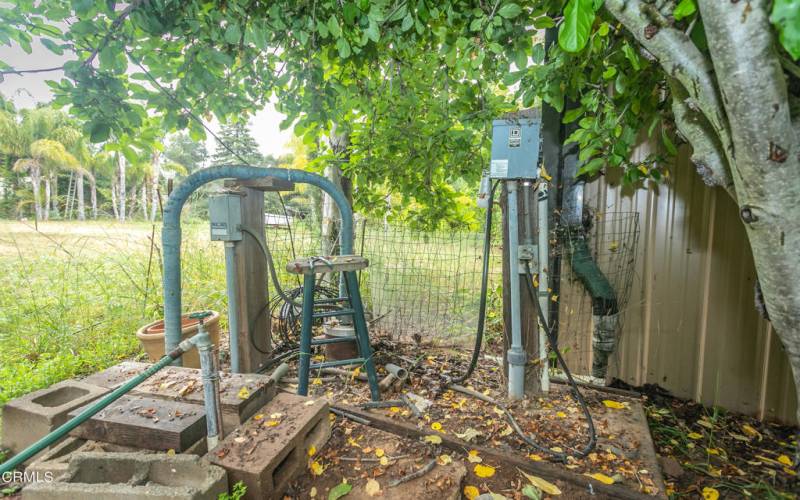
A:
[56,460]
[186,384]
[147,423]
[129,476]
[271,449]
[29,418]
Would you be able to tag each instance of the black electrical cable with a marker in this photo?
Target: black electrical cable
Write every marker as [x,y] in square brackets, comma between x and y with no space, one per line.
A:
[487,247]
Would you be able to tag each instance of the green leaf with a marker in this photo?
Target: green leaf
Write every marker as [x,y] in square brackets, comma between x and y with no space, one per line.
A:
[603,29]
[100,132]
[339,491]
[592,167]
[671,149]
[609,73]
[632,56]
[333,27]
[543,22]
[52,46]
[573,114]
[343,47]
[786,18]
[574,31]
[233,33]
[510,11]
[373,32]
[684,9]
[408,22]
[531,491]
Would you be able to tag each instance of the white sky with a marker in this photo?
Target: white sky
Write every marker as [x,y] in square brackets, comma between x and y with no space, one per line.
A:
[30,89]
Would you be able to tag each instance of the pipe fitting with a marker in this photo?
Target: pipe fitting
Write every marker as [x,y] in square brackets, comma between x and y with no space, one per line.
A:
[516,356]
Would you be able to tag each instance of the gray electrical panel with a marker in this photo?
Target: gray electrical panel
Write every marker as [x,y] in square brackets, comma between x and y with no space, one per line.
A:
[225,212]
[515,148]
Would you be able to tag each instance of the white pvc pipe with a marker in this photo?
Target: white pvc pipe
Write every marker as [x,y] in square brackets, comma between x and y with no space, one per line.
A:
[516,354]
[544,282]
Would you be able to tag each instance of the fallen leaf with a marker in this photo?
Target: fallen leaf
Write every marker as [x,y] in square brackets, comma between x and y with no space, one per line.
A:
[545,486]
[614,404]
[373,487]
[313,492]
[599,476]
[751,431]
[379,452]
[561,414]
[444,459]
[436,426]
[535,457]
[394,409]
[469,434]
[170,452]
[339,490]
[312,450]
[471,492]
[276,416]
[240,439]
[694,435]
[433,439]
[712,451]
[473,457]
[260,416]
[316,468]
[484,471]
[244,393]
[316,381]
[532,492]
[270,423]
[507,431]
[710,493]
[384,460]
[785,460]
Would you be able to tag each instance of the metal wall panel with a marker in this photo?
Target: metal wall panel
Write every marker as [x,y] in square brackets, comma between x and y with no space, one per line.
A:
[690,325]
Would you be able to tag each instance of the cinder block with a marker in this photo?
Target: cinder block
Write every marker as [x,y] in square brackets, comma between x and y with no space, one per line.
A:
[145,423]
[56,460]
[29,418]
[186,384]
[129,476]
[266,456]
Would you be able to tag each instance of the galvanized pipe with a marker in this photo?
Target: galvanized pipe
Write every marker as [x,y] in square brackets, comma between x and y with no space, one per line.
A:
[544,282]
[516,354]
[233,304]
[171,232]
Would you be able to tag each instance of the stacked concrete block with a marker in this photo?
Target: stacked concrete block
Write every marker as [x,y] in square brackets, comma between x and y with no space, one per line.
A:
[271,449]
[129,476]
[31,417]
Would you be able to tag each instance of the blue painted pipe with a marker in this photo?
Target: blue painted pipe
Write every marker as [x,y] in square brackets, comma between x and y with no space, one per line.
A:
[171,232]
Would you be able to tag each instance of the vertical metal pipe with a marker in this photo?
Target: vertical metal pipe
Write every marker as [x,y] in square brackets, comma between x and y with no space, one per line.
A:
[213,406]
[233,303]
[516,354]
[544,281]
[305,333]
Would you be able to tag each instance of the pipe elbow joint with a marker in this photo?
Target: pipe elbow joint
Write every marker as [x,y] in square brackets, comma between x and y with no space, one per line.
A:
[517,356]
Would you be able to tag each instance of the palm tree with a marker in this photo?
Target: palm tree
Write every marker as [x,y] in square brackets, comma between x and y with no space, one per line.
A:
[45,155]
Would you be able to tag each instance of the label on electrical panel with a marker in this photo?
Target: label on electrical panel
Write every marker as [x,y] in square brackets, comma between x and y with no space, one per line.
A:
[498,168]
[219,228]
[514,137]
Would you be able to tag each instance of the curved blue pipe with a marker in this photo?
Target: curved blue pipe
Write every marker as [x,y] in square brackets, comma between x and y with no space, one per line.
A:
[171,233]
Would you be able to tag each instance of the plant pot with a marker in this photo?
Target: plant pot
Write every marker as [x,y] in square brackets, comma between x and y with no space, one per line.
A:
[152,337]
[340,350]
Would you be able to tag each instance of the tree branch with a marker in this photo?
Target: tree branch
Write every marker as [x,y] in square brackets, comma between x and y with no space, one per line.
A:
[680,59]
[112,30]
[707,155]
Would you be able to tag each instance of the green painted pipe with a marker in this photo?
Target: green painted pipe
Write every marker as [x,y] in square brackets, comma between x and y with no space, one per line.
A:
[77,420]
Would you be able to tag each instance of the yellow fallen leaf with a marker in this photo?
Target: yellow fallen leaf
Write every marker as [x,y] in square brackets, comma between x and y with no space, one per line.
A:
[507,431]
[705,423]
[384,460]
[599,476]
[276,416]
[535,457]
[270,423]
[436,426]
[471,492]
[710,493]
[316,468]
[498,410]
[260,416]
[712,451]
[356,372]
[170,452]
[373,487]
[789,471]
[484,471]
[379,452]
[544,175]
[316,381]
[444,459]
[312,450]
[785,460]
[614,404]
[244,393]
[751,431]
[313,492]
[473,457]
[561,414]
[433,439]
[694,435]
[557,449]
[545,486]
[394,409]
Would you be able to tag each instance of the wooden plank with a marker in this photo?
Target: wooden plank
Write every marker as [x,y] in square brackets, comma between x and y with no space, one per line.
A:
[254,320]
[148,423]
[263,184]
[543,469]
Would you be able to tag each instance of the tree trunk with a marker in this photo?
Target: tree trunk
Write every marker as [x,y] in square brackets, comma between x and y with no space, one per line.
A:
[54,197]
[154,185]
[36,183]
[330,213]
[766,149]
[93,195]
[121,181]
[114,188]
[79,192]
[143,201]
[46,213]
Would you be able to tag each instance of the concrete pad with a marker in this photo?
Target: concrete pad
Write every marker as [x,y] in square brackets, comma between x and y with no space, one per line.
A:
[186,384]
[29,418]
[443,482]
[128,476]
[271,449]
[147,423]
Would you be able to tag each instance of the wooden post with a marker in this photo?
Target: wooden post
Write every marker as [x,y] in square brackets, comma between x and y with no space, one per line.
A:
[255,346]
[530,328]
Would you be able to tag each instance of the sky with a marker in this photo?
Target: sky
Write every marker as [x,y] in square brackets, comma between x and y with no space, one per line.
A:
[28,90]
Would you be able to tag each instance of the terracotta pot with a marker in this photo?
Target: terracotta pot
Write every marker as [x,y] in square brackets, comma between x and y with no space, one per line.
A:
[152,337]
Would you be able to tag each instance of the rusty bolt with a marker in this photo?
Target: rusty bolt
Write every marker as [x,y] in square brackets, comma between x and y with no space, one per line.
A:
[747,214]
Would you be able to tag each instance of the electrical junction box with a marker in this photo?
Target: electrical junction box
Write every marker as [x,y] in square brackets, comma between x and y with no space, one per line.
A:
[225,212]
[515,147]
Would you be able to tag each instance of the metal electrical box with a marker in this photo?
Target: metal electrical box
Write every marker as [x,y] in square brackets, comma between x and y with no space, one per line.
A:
[225,212]
[515,147]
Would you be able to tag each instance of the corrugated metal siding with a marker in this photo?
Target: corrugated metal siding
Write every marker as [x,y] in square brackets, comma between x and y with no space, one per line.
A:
[690,325]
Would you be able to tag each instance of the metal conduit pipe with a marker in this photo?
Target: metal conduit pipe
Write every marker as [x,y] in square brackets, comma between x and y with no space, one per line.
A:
[516,354]
[233,306]
[171,232]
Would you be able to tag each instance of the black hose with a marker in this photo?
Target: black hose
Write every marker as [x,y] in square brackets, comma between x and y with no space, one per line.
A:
[487,247]
[271,265]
